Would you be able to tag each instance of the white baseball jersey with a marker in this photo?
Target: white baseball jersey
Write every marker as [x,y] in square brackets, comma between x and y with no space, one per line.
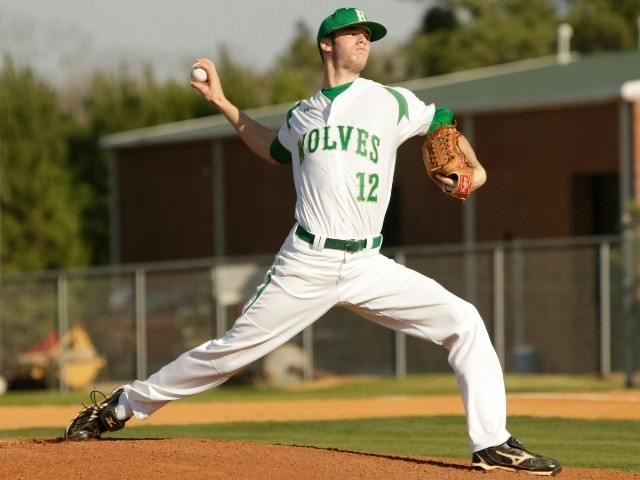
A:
[344,154]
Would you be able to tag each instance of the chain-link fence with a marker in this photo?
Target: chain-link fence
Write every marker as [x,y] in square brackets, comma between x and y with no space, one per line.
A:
[552,306]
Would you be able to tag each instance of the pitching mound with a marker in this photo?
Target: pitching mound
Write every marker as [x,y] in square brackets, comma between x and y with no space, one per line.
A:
[186,459]
[171,459]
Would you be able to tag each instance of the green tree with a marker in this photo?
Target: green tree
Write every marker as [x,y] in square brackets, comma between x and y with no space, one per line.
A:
[458,35]
[241,85]
[117,102]
[123,100]
[41,204]
[298,72]
[464,34]
[600,25]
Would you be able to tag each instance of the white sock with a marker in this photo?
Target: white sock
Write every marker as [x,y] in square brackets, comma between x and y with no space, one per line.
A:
[123,410]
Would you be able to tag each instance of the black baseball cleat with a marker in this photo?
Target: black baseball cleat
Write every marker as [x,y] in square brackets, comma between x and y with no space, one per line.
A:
[94,420]
[512,455]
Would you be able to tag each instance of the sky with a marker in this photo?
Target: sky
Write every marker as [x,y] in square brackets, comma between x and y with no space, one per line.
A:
[67,39]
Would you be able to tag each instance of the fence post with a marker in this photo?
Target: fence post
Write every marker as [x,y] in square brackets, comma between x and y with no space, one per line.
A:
[627,198]
[399,337]
[498,304]
[628,302]
[63,326]
[307,348]
[141,323]
[221,306]
[605,309]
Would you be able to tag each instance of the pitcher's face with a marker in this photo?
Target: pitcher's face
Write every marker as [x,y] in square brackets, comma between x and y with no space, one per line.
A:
[351,48]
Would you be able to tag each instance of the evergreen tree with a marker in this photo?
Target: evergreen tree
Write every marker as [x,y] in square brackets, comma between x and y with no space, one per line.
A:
[41,204]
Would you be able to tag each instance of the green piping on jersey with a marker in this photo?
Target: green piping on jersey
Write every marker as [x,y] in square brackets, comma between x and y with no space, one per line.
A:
[443,116]
[290,113]
[403,107]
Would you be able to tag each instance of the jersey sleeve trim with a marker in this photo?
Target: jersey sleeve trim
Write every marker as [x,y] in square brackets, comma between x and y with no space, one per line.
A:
[443,116]
[290,113]
[403,106]
[279,153]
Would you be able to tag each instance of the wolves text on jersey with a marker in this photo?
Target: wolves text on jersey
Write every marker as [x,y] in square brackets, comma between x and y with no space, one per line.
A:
[343,137]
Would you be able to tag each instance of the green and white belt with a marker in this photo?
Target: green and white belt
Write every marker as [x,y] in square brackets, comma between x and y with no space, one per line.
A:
[351,246]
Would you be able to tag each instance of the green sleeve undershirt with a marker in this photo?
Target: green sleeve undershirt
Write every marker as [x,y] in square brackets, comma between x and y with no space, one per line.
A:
[443,116]
[279,153]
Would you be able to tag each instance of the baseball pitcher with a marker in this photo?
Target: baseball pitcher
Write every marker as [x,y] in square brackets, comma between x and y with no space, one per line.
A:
[341,147]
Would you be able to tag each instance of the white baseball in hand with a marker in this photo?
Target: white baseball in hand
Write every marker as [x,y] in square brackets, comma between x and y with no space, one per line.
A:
[198,74]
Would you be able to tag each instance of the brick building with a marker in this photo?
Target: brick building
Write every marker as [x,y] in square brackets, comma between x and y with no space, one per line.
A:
[560,141]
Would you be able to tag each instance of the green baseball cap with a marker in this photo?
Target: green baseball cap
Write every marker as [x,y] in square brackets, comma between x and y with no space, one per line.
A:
[350,17]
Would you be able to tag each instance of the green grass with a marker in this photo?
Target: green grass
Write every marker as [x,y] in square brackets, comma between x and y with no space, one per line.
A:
[433,384]
[602,444]
[606,444]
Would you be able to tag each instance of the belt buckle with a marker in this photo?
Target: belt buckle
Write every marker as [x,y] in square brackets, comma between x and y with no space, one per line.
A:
[353,242]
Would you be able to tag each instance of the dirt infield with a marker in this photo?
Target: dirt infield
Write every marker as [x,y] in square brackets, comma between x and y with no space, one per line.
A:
[193,458]
[187,459]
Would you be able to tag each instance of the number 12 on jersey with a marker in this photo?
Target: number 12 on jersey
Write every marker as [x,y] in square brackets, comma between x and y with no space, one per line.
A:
[367,185]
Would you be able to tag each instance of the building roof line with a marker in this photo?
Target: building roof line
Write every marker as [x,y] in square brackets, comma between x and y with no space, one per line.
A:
[523,85]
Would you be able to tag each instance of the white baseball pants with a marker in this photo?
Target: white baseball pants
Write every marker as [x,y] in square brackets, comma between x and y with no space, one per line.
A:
[301,286]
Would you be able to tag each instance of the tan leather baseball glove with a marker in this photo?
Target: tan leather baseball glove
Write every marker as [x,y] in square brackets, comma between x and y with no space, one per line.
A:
[442,156]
